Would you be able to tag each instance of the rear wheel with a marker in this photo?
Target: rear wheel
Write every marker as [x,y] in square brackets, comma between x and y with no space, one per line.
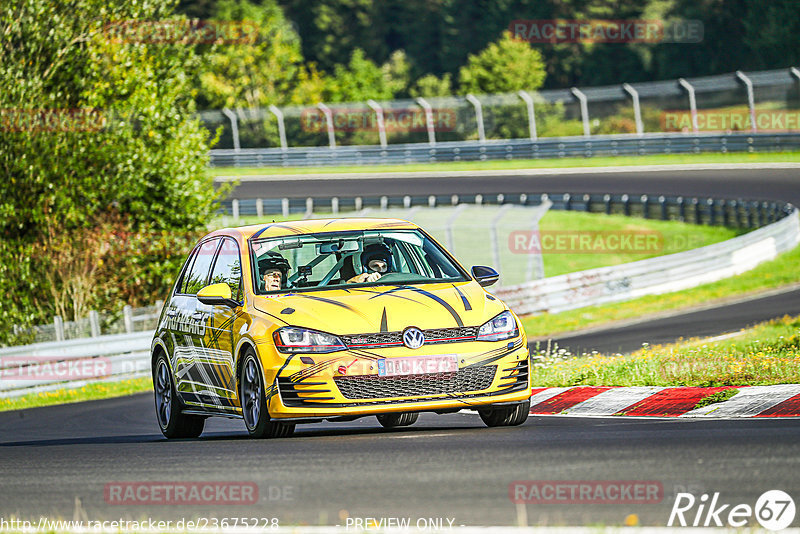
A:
[172,422]
[254,403]
[391,420]
[506,415]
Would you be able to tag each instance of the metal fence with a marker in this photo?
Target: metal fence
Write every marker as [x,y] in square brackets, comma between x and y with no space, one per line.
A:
[705,111]
[95,324]
[738,213]
[73,363]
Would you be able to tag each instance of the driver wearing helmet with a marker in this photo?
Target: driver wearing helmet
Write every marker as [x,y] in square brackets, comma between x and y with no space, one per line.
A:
[273,270]
[376,260]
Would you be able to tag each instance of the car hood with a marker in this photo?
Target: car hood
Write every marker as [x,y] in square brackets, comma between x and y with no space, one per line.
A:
[385,308]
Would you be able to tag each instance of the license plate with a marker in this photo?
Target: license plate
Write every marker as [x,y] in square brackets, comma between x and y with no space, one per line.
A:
[418,365]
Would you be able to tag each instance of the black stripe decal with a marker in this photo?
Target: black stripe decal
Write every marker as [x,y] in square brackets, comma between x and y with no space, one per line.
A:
[323,299]
[447,306]
[384,324]
[391,293]
[467,305]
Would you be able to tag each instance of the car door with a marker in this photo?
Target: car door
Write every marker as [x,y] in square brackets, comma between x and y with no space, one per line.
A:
[217,339]
[189,328]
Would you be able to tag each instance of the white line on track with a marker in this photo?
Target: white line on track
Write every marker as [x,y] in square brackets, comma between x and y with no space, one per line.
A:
[423,435]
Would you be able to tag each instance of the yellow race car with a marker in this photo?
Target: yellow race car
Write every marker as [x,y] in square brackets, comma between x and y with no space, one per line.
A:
[306,321]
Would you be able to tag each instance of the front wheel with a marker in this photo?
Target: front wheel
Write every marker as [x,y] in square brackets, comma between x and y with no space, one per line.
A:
[506,415]
[172,422]
[254,403]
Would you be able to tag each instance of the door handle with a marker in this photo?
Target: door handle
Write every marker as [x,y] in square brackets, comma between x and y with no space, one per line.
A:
[197,316]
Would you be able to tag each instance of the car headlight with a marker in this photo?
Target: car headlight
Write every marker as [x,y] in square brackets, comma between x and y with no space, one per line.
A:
[302,340]
[504,326]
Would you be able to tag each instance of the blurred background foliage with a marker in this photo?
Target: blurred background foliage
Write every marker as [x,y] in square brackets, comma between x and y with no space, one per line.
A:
[441,38]
[99,141]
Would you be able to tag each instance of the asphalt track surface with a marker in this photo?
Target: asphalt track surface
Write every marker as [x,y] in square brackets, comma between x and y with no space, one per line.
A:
[447,466]
[443,467]
[765,184]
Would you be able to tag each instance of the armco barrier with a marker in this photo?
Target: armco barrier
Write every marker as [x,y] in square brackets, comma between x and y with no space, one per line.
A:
[654,276]
[508,149]
[46,366]
[128,355]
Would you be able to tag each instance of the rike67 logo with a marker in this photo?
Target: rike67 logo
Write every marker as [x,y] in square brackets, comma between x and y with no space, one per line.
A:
[774,510]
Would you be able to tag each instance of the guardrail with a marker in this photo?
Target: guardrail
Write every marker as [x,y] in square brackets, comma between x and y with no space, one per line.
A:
[556,147]
[54,365]
[654,276]
[696,210]
[73,363]
[95,324]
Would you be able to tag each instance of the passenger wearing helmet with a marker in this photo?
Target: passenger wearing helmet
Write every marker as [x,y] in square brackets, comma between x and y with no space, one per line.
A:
[376,260]
[273,270]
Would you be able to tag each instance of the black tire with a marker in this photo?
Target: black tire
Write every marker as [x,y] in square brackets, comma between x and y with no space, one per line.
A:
[391,420]
[506,415]
[171,421]
[254,403]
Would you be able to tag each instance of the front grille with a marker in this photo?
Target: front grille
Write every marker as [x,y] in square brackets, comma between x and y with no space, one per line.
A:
[390,339]
[377,387]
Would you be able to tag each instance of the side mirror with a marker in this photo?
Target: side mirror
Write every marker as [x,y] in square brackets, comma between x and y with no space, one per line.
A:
[217,294]
[485,276]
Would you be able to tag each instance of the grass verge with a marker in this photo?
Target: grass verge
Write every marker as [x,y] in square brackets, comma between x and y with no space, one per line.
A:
[767,354]
[714,398]
[781,271]
[94,391]
[553,163]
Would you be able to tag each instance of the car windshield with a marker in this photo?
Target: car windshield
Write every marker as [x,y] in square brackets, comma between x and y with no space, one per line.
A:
[338,260]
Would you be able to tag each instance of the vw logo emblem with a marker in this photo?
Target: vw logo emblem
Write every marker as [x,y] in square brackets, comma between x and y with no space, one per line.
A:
[413,338]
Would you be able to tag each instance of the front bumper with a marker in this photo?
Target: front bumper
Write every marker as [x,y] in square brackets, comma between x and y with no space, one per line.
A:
[319,390]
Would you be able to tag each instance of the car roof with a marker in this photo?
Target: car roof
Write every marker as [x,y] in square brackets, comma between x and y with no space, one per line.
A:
[312,226]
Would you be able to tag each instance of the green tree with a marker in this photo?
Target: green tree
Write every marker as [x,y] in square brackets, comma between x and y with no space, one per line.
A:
[773,33]
[98,133]
[504,66]
[269,69]
[430,85]
[360,80]
[332,30]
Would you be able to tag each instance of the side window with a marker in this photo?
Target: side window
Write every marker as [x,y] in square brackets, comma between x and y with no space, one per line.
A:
[198,274]
[228,267]
[181,287]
